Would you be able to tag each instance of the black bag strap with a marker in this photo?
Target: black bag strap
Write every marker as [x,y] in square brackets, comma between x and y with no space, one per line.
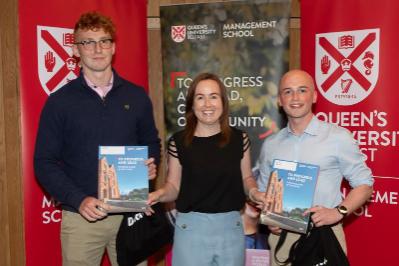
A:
[281,240]
[291,254]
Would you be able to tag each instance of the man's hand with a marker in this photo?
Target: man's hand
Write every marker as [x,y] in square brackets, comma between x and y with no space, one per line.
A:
[93,209]
[152,168]
[324,216]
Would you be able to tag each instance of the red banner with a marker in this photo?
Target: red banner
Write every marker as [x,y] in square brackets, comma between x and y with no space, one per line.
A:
[46,64]
[350,48]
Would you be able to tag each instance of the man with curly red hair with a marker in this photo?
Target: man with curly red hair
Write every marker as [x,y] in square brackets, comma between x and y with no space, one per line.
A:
[99,108]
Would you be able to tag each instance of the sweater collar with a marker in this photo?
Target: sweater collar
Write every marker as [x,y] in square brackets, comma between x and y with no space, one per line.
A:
[117,82]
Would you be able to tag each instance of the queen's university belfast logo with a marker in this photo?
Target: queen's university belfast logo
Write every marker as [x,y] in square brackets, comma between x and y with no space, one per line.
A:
[347,65]
[55,61]
[178,33]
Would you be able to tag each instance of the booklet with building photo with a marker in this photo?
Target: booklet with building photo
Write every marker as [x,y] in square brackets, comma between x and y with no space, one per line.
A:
[123,177]
[289,193]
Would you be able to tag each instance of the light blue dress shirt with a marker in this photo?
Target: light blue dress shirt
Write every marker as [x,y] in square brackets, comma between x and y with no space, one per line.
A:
[331,147]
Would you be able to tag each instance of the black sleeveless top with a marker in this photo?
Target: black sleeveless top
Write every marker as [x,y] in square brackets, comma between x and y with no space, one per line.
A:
[211,179]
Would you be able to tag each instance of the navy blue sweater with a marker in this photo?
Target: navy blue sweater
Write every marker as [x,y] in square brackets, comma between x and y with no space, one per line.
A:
[75,120]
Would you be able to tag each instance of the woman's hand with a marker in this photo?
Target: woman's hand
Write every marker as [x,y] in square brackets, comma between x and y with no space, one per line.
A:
[154,197]
[257,197]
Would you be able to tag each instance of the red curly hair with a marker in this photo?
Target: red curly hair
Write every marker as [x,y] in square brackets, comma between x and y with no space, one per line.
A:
[95,21]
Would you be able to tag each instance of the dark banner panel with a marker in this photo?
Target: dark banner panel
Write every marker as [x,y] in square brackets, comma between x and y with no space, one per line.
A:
[244,42]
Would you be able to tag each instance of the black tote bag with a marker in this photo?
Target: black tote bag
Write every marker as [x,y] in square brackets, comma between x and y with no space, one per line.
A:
[318,247]
[140,236]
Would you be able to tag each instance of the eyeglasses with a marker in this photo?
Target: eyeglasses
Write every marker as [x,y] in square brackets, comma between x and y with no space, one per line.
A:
[91,44]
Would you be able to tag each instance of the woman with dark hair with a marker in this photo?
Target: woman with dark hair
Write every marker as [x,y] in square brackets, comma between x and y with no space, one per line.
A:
[209,171]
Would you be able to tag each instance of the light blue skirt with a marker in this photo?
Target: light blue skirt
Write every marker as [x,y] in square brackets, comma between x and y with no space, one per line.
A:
[208,239]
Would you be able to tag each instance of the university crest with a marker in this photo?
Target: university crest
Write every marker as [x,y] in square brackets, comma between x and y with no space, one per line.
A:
[178,33]
[347,64]
[56,64]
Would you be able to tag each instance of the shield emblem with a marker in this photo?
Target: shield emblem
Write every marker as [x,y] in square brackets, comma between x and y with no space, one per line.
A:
[56,64]
[347,65]
[178,33]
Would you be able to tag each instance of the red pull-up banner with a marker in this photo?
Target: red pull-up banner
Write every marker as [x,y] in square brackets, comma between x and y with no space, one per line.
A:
[46,63]
[351,49]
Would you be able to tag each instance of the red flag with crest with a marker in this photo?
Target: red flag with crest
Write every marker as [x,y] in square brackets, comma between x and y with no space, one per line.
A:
[350,48]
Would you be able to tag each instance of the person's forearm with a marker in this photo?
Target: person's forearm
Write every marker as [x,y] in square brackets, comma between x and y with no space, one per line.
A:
[357,197]
[56,182]
[251,189]
[249,184]
[168,193]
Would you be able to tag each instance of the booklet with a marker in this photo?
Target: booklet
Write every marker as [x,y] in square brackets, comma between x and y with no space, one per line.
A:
[123,177]
[289,193]
[257,257]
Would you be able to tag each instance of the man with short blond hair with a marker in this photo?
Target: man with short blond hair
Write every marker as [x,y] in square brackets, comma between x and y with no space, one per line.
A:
[309,140]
